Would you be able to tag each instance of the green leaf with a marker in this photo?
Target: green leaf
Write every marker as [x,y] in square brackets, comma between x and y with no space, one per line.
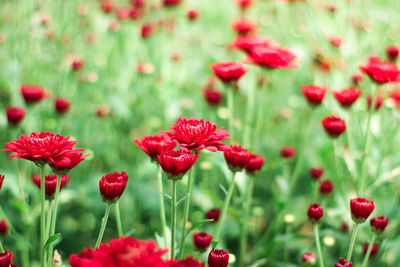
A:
[223,189]
[182,199]
[51,239]
[198,224]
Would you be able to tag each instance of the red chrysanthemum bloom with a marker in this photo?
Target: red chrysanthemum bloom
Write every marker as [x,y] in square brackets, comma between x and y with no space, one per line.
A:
[315,213]
[15,115]
[85,259]
[202,240]
[62,105]
[67,161]
[325,187]
[237,158]
[378,224]
[218,258]
[316,172]
[288,152]
[380,71]
[228,72]
[333,125]
[107,6]
[50,182]
[357,79]
[243,4]
[193,14]
[361,208]
[5,258]
[146,30]
[374,249]
[171,3]
[154,145]
[212,96]
[1,180]
[196,135]
[314,94]
[77,64]
[247,43]
[378,102]
[343,263]
[213,214]
[243,27]
[175,163]
[308,259]
[272,57]
[4,228]
[33,93]
[113,185]
[255,163]
[348,96]
[187,262]
[392,53]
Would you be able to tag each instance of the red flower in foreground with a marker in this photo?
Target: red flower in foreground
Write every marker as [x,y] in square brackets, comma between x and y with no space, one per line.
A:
[213,97]
[4,228]
[113,185]
[343,263]
[218,258]
[196,135]
[334,126]
[378,102]
[378,224]
[314,94]
[348,96]
[243,26]
[326,187]
[15,115]
[62,105]
[361,208]
[64,163]
[308,259]
[154,145]
[392,53]
[380,71]
[187,262]
[50,183]
[316,172]
[213,214]
[288,152]
[272,57]
[5,258]
[171,3]
[193,14]
[255,163]
[374,249]
[33,93]
[247,43]
[237,158]
[202,240]
[175,163]
[315,213]
[77,64]
[228,72]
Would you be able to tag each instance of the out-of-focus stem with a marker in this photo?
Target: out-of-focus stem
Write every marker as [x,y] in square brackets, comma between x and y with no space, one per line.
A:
[244,225]
[352,241]
[118,219]
[231,108]
[162,207]
[54,216]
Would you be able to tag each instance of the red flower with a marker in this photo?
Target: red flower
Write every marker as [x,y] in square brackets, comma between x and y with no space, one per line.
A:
[392,53]
[64,163]
[361,208]
[202,240]
[213,97]
[102,111]
[123,13]
[316,172]
[138,3]
[380,71]
[5,258]
[62,105]
[326,187]
[314,94]
[15,115]
[193,14]
[218,258]
[255,163]
[357,79]
[107,6]
[334,126]
[154,145]
[378,224]
[196,135]
[228,72]
[374,249]
[348,96]
[309,259]
[271,57]
[50,182]
[288,152]
[247,43]
[344,227]
[147,30]
[4,228]
[1,180]
[135,13]
[77,64]
[315,213]
[343,263]
[237,158]
[187,262]
[213,214]
[113,185]
[85,259]
[175,163]
[336,41]
[33,93]
[171,3]
[378,102]
[243,27]
[243,4]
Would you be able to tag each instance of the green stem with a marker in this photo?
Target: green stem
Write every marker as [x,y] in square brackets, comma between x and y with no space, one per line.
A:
[371,244]
[366,149]
[225,208]
[118,219]
[173,218]
[103,224]
[231,109]
[318,245]
[54,217]
[42,217]
[51,207]
[244,225]
[352,241]
[162,207]
[1,247]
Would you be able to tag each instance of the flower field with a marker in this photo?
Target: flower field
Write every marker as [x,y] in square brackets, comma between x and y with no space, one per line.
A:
[183,133]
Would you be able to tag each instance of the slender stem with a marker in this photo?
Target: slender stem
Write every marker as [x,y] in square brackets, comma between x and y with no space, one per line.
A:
[162,207]
[352,241]
[225,208]
[364,156]
[1,248]
[371,244]
[54,217]
[244,225]
[318,245]
[103,224]
[118,219]
[51,207]
[231,108]
[42,217]
[173,218]
[285,250]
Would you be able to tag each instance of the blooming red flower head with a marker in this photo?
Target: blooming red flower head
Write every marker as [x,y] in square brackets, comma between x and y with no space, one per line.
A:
[247,43]
[308,259]
[113,185]
[392,53]
[77,64]
[243,4]
[237,158]
[15,115]
[325,187]
[314,94]
[33,93]
[154,145]
[228,72]
[193,14]
[212,96]
[343,263]
[378,224]
[85,258]
[243,27]
[336,41]
[202,240]
[50,182]
[315,213]
[171,3]
[272,57]
[348,96]
[361,208]
[64,163]
[196,135]
[147,30]
[175,163]
[380,71]
[5,258]
[213,214]
[107,6]
[357,79]
[333,125]
[4,228]
[187,262]
[288,152]
[62,105]
[255,163]
[218,258]
[316,172]
[374,249]
[378,102]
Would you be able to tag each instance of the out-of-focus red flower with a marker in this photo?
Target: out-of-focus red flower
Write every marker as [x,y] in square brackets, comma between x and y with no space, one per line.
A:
[193,14]
[145,68]
[33,93]
[202,240]
[62,105]
[348,96]
[50,182]
[378,224]
[124,13]
[82,9]
[356,79]
[139,3]
[212,96]
[331,8]
[255,163]
[243,27]
[45,19]
[314,94]
[147,30]
[15,115]
[333,125]
[171,3]
[114,25]
[247,43]
[288,152]
[316,172]
[380,71]
[378,102]
[154,145]
[315,212]
[4,228]
[228,72]
[175,163]
[196,135]
[113,185]
[392,53]
[1,180]
[325,187]
[187,262]
[271,57]
[336,41]
[5,258]
[361,208]
[218,258]
[308,259]
[344,227]
[343,263]
[107,6]
[102,111]
[237,158]
[77,64]
[213,214]
[243,4]
[374,249]
[135,13]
